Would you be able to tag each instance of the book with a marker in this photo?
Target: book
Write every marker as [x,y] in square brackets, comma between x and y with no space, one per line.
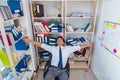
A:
[44,54]
[39,10]
[80,53]
[44,24]
[70,28]
[3,13]
[56,29]
[9,38]
[42,38]
[88,27]
[22,65]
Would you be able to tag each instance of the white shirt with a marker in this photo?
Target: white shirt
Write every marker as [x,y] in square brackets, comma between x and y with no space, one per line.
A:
[54,50]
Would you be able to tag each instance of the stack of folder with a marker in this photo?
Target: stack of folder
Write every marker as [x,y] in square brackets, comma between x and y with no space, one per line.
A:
[44,54]
[52,41]
[71,41]
[43,38]
[15,32]
[77,41]
[55,27]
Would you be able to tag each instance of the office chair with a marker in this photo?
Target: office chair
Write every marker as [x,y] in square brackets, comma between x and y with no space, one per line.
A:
[47,65]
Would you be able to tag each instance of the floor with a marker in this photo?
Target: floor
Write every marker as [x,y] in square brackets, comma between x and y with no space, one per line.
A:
[75,74]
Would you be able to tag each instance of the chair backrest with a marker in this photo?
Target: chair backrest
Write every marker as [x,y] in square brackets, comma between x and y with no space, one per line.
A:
[47,65]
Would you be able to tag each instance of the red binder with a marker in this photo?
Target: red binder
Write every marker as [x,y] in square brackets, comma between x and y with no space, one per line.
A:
[9,38]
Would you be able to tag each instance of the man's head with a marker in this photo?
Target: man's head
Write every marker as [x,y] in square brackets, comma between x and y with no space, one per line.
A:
[60,41]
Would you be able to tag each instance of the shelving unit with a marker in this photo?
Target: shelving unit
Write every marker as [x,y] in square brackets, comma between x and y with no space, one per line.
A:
[78,13]
[49,15]
[14,55]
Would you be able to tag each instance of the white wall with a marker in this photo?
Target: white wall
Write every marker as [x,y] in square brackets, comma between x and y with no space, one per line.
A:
[105,65]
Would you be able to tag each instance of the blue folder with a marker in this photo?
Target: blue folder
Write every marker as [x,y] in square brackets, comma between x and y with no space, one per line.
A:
[15,6]
[21,45]
[22,65]
[15,32]
[44,54]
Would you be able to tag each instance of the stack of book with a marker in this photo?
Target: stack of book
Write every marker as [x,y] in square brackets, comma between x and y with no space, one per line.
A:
[5,13]
[41,27]
[43,38]
[71,41]
[53,27]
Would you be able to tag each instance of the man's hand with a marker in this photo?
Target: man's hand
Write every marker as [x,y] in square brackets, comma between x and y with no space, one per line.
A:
[27,40]
[89,44]
[32,41]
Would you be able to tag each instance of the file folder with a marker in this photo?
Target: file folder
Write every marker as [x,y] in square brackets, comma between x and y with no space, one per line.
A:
[15,7]
[21,45]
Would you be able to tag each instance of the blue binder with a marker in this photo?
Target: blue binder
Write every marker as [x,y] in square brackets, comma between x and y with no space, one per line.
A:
[22,65]
[56,29]
[15,32]
[21,45]
[15,6]
[44,54]
[52,41]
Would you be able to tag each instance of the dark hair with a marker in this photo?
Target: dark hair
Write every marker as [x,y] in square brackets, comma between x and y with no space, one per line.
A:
[61,38]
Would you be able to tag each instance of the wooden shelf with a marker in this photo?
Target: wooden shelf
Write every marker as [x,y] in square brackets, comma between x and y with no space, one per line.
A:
[47,17]
[81,58]
[21,17]
[79,17]
[79,32]
[47,0]
[82,0]
[48,32]
[78,65]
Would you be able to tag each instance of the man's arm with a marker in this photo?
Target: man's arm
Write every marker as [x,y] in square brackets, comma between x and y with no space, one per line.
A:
[32,41]
[86,45]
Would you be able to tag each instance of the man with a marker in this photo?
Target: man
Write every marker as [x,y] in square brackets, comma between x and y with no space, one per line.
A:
[60,54]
